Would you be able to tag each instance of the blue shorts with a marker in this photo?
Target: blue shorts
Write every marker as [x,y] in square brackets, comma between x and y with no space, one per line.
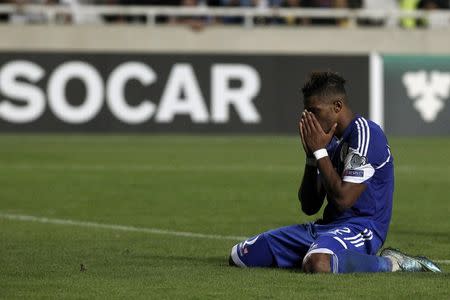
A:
[288,247]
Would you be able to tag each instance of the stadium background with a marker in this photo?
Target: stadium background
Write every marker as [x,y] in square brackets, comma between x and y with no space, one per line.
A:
[94,205]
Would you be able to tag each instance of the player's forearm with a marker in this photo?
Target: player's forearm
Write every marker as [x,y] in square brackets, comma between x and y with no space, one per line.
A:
[310,194]
[333,184]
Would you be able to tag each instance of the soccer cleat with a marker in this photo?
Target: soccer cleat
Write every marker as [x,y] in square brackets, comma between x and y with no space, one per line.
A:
[409,263]
[428,264]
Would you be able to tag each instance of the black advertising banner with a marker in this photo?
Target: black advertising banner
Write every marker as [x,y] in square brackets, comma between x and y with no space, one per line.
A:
[157,93]
[417,94]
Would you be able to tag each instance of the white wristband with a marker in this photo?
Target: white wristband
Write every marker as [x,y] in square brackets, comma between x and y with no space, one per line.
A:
[321,153]
[311,161]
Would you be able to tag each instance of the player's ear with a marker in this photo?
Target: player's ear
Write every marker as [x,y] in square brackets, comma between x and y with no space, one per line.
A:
[338,104]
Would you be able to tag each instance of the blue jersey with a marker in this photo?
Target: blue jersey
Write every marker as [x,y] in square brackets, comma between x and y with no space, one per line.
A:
[362,155]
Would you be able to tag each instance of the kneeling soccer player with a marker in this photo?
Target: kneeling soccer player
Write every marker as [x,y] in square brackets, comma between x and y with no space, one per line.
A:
[348,161]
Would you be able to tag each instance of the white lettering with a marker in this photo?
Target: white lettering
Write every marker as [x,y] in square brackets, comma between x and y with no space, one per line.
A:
[25,101]
[30,95]
[182,79]
[116,93]
[223,96]
[57,96]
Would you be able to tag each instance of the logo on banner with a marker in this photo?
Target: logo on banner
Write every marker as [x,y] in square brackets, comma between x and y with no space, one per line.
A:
[23,100]
[428,91]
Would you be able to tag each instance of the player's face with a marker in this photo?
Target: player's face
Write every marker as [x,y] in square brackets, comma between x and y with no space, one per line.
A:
[323,110]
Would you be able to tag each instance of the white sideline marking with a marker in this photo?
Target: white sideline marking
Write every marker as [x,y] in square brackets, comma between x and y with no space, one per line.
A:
[146,168]
[443,261]
[190,168]
[26,218]
[44,220]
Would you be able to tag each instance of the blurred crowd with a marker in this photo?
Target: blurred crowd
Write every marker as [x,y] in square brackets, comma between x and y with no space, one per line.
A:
[22,16]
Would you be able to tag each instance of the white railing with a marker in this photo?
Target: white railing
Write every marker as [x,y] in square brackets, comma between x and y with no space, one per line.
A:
[51,12]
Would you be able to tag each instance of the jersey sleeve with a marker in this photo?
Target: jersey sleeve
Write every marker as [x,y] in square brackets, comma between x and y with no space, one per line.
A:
[368,151]
[357,169]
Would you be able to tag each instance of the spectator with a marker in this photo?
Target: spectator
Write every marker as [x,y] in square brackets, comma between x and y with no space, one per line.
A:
[4,17]
[289,20]
[142,18]
[322,4]
[293,20]
[379,5]
[434,21]
[21,16]
[408,6]
[245,3]
[76,17]
[237,3]
[195,22]
[214,3]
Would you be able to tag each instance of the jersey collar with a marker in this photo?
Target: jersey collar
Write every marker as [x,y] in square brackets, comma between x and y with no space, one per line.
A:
[349,129]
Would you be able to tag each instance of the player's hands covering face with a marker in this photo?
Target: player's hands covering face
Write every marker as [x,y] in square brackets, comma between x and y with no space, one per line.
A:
[312,134]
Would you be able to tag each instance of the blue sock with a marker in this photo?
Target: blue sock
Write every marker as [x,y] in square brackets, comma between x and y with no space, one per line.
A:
[347,261]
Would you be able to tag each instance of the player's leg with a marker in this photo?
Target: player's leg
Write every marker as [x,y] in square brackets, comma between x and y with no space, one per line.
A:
[351,248]
[283,247]
[253,252]
[317,263]
[346,250]
[390,260]
[348,261]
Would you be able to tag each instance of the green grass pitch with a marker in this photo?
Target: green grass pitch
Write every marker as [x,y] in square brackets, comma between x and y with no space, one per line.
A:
[225,186]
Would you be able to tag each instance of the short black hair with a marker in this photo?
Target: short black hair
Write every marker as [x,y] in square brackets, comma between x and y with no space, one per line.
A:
[324,83]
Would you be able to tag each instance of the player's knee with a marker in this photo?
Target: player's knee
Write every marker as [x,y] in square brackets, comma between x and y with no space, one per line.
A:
[253,252]
[317,263]
[233,259]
